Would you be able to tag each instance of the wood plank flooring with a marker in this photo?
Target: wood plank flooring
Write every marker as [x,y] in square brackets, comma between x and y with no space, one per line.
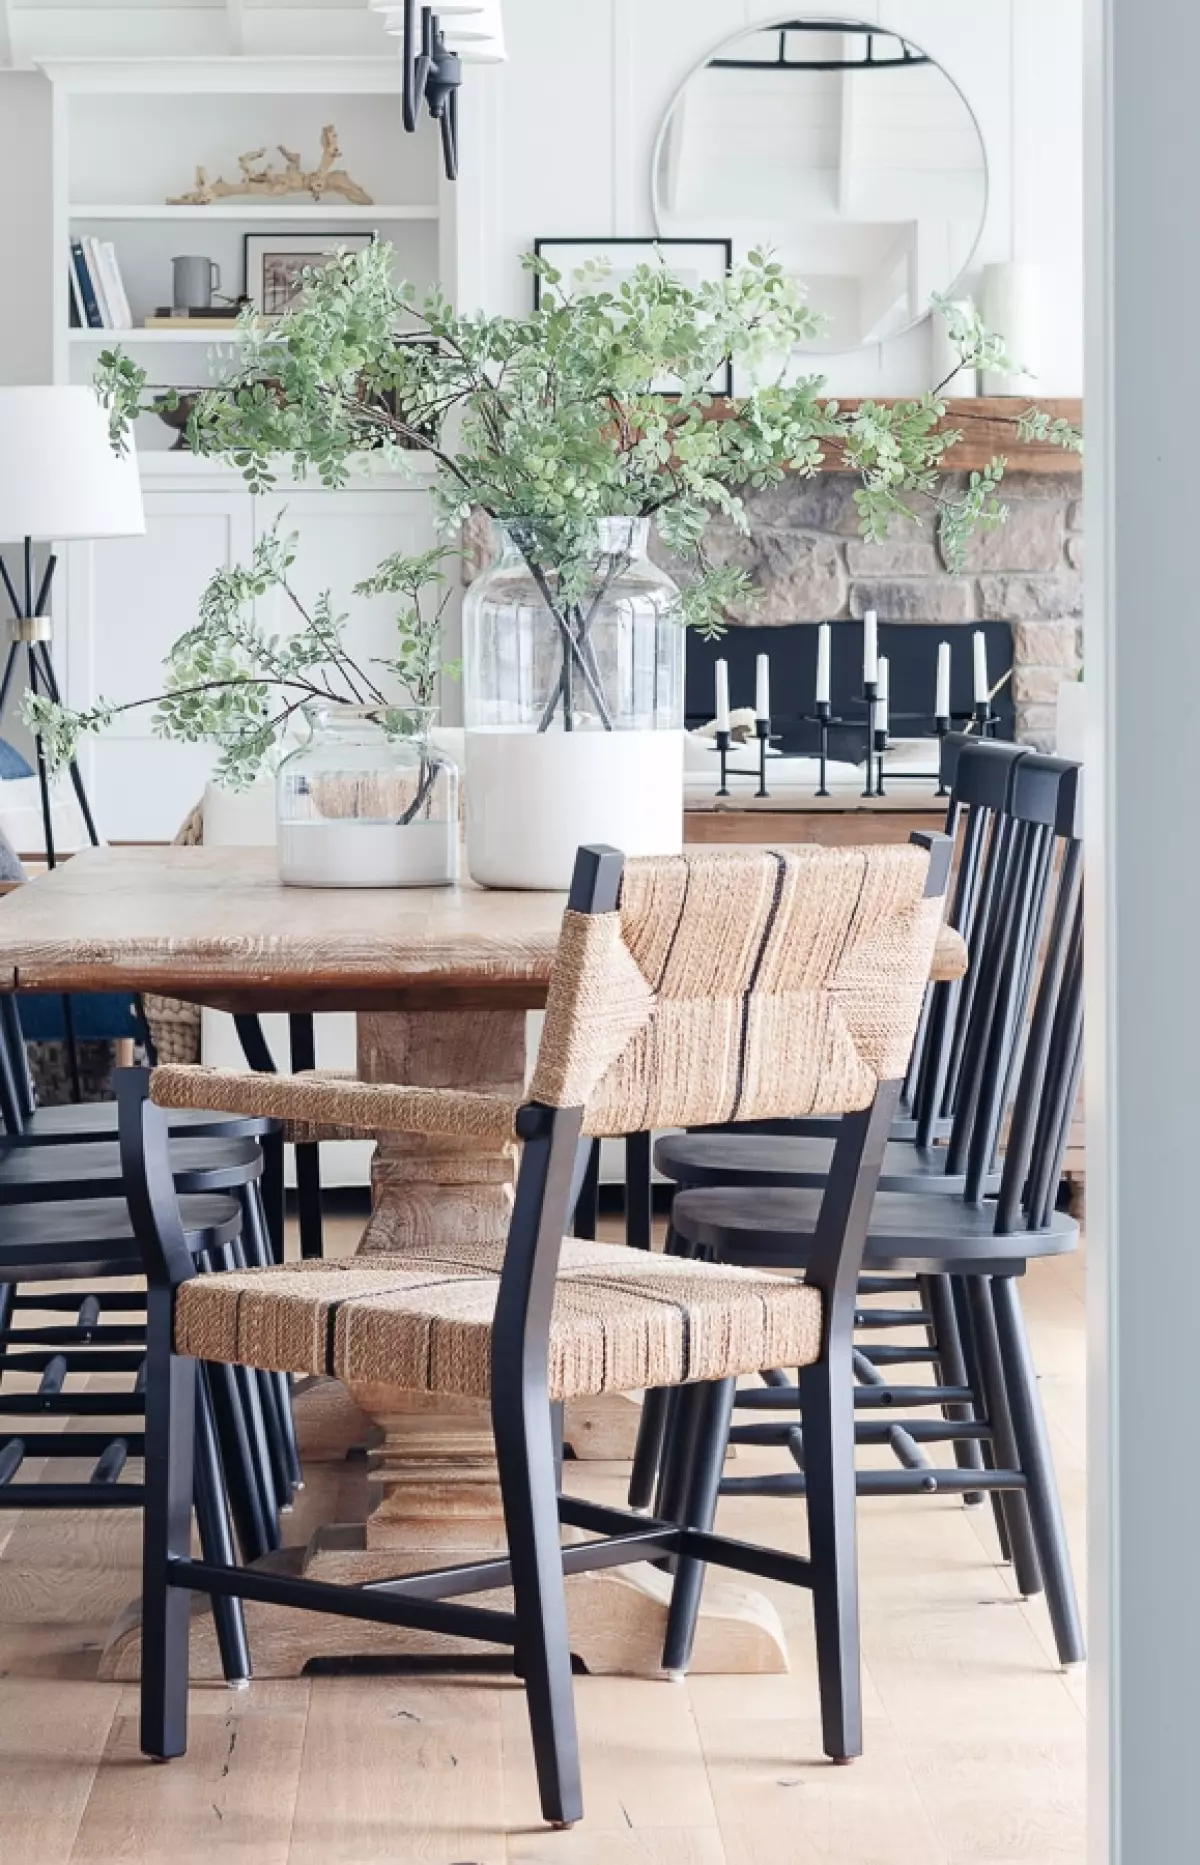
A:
[974,1739]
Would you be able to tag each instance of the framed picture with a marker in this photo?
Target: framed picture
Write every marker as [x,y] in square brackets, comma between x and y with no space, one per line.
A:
[693,263]
[276,264]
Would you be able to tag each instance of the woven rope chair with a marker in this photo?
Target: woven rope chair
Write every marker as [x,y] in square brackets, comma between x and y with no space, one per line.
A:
[723,985]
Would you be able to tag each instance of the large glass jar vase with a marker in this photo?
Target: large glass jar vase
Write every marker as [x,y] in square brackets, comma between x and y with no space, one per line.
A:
[573,708]
[367,801]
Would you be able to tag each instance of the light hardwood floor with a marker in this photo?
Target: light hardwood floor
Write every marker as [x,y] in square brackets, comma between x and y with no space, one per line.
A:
[974,1739]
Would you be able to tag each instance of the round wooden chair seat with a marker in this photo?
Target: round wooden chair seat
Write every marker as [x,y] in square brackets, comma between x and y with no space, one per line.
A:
[911,1233]
[623,1320]
[794,1160]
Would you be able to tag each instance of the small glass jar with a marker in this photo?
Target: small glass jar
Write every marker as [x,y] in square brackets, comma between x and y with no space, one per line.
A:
[367,801]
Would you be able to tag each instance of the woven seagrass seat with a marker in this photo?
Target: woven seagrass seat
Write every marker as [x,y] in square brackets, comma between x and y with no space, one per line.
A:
[423,1322]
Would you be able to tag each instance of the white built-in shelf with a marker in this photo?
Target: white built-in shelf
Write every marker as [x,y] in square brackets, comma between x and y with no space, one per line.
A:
[251,211]
[137,335]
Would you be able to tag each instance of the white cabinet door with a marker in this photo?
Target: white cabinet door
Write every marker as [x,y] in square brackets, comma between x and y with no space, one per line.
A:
[127,600]
[341,537]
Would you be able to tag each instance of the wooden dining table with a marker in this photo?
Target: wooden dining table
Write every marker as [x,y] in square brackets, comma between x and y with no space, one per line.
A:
[440,981]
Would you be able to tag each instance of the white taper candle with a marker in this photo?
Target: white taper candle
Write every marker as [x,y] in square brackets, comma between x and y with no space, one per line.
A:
[823,646]
[881,695]
[762,687]
[982,685]
[722,696]
[870,648]
[941,704]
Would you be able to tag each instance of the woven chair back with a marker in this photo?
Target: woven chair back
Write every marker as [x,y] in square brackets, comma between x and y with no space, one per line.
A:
[740,984]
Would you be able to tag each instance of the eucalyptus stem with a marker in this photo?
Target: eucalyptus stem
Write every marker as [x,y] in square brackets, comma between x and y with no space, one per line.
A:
[570,647]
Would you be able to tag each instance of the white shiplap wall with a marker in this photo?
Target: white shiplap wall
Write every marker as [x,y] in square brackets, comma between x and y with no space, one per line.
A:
[562,138]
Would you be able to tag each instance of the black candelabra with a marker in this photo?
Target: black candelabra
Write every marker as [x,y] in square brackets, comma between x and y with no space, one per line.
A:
[724,744]
[822,717]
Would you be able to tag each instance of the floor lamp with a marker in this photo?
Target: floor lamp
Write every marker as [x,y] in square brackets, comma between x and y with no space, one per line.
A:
[60,481]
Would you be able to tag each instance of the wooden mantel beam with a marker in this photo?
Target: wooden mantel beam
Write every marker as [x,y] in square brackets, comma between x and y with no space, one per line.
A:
[987,426]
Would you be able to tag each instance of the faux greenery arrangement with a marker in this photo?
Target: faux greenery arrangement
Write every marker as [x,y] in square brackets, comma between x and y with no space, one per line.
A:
[230,681]
[552,421]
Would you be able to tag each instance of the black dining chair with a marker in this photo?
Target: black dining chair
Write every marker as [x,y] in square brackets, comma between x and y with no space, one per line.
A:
[1016,1061]
[983,816]
[44,1166]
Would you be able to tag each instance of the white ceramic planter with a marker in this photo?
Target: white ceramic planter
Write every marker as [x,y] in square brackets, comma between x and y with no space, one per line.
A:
[534,798]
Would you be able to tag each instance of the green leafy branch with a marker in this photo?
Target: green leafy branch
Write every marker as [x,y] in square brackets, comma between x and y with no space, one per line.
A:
[229,681]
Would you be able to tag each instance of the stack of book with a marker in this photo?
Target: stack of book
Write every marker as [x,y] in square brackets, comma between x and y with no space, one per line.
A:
[98,300]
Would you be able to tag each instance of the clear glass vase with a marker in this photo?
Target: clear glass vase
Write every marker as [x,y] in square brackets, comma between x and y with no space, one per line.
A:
[367,801]
[573,706]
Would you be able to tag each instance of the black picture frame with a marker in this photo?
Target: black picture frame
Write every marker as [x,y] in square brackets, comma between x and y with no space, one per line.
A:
[316,242]
[650,245]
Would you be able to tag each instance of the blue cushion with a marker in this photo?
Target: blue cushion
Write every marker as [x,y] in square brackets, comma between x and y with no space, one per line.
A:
[99,1016]
[12,762]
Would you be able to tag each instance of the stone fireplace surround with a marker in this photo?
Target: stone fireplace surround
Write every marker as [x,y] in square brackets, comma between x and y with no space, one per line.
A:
[805,553]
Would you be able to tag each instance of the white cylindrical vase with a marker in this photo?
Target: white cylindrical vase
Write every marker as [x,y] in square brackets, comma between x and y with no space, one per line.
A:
[535,798]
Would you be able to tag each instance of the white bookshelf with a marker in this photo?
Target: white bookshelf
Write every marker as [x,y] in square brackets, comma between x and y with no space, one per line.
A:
[248,211]
[129,133]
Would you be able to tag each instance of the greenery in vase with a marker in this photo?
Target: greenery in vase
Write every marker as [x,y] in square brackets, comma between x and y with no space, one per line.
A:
[552,421]
[231,682]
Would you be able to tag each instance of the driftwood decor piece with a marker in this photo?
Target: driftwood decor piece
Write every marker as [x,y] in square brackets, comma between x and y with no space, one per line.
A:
[259,180]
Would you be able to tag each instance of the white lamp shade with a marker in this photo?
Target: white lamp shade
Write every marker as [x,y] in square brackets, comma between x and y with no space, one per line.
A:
[483,22]
[59,476]
[478,51]
[443,9]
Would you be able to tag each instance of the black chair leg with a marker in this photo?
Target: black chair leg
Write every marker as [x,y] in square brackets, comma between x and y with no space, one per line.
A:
[277,1387]
[708,1460]
[639,1191]
[966,1334]
[273,1192]
[952,1371]
[652,1431]
[166,1535]
[1015,1507]
[827,1403]
[1033,1447]
[647,1455]
[216,1541]
[237,1461]
[525,1459]
[587,1205]
[308,1199]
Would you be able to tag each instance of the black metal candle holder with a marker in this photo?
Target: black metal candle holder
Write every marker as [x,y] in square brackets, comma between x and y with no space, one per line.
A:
[822,717]
[985,718]
[723,744]
[762,729]
[724,740]
[871,699]
[880,739]
[943,726]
